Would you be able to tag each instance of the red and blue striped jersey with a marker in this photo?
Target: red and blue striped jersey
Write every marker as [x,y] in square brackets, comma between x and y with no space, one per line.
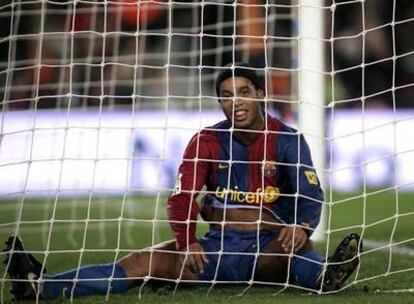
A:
[274,172]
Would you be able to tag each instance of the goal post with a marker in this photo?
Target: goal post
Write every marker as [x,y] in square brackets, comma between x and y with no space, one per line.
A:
[311,86]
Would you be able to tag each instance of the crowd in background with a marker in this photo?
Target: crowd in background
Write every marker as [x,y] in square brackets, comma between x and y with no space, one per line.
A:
[124,52]
[385,50]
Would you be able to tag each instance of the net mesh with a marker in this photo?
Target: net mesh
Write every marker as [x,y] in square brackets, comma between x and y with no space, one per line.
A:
[99,99]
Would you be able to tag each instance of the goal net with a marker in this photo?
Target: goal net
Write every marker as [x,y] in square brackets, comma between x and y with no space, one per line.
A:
[100,98]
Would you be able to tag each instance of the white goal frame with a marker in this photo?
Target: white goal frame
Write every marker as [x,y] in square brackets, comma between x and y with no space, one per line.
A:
[311,88]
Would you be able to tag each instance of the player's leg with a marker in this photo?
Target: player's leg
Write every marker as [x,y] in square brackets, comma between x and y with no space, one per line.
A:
[274,267]
[306,267]
[91,279]
[87,280]
[127,272]
[162,261]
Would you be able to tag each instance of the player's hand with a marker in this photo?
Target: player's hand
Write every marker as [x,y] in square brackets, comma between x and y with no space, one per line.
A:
[195,261]
[286,238]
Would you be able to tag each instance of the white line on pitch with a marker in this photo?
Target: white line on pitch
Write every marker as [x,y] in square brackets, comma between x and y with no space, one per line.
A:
[403,250]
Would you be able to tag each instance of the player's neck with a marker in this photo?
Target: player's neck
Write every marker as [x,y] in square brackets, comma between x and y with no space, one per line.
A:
[249,136]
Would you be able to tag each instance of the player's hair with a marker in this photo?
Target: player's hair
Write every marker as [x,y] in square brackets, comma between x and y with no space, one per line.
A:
[241,69]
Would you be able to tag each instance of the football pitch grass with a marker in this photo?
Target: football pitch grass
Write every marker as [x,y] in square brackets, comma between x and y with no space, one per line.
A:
[59,225]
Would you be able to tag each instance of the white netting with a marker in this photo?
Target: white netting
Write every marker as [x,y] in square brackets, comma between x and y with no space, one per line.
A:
[99,99]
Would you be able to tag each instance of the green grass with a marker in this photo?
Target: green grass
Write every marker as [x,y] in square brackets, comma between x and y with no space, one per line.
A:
[381,217]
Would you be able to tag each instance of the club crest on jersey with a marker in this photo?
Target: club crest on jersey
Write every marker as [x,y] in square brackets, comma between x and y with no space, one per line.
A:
[269,169]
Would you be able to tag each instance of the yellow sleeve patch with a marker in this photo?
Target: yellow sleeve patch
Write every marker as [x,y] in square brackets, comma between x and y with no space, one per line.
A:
[311,177]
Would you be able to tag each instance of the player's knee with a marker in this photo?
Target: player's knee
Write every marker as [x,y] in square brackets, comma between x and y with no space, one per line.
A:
[135,265]
[307,247]
[272,268]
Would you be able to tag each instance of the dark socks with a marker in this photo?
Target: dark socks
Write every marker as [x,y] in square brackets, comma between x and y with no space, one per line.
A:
[91,280]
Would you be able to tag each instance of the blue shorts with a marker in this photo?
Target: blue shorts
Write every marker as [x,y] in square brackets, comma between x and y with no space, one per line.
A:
[242,246]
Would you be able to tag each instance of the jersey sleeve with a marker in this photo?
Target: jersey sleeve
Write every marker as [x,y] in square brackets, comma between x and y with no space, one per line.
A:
[304,182]
[182,208]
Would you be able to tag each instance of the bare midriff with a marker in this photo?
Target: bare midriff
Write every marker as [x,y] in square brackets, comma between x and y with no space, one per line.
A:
[243,219]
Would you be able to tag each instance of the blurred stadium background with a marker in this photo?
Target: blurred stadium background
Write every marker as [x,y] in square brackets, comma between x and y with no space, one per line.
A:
[99,99]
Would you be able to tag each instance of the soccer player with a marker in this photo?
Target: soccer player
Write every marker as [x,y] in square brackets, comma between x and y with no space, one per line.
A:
[263,203]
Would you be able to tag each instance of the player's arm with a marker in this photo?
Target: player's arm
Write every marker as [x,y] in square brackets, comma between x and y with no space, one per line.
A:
[182,208]
[304,181]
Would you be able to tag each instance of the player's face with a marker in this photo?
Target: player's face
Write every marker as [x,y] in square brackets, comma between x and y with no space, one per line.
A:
[240,101]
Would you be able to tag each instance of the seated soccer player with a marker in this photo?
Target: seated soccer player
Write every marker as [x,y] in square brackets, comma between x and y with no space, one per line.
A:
[263,196]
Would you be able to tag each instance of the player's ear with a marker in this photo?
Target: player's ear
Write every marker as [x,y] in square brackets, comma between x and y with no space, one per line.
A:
[260,93]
